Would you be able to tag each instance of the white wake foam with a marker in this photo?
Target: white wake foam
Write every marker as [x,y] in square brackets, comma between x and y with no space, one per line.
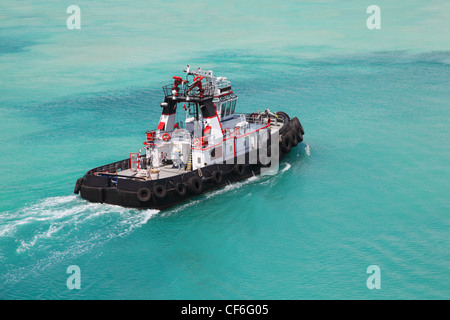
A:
[286,168]
[57,217]
[60,228]
[307,150]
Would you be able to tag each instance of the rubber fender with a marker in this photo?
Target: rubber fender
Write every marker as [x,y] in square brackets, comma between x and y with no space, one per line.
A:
[180,188]
[159,191]
[78,186]
[239,169]
[144,194]
[195,185]
[284,115]
[294,137]
[216,176]
[286,143]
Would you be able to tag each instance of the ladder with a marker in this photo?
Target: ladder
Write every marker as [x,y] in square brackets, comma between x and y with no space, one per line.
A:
[189,165]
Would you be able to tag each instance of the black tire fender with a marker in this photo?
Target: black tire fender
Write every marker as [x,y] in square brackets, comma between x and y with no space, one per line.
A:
[195,185]
[144,194]
[239,169]
[295,138]
[159,191]
[78,186]
[286,143]
[180,188]
[216,176]
[284,115]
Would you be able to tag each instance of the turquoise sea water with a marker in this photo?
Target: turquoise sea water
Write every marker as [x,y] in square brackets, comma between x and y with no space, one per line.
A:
[369,185]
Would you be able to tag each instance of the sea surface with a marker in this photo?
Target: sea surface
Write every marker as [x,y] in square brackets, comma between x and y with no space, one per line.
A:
[370,184]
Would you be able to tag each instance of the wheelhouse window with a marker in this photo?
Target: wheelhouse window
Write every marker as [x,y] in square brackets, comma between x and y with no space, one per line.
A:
[227,105]
[233,106]
[228,112]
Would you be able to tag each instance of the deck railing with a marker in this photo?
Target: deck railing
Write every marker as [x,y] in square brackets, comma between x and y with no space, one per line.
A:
[208,91]
[113,167]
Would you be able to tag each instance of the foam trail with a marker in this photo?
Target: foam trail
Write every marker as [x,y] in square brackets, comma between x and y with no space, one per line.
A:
[307,150]
[233,186]
[227,188]
[286,168]
[52,221]
[61,227]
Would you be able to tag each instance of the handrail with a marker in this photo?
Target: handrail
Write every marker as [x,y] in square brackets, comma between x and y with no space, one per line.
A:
[208,91]
[117,175]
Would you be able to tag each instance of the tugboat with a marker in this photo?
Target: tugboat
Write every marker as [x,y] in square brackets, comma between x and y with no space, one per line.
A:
[203,146]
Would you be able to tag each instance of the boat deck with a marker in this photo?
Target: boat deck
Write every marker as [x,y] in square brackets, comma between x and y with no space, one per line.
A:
[157,173]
